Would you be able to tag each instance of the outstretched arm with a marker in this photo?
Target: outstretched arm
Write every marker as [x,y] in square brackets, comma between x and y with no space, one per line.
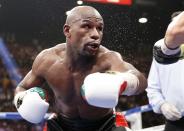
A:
[170,49]
[120,65]
[175,32]
[103,89]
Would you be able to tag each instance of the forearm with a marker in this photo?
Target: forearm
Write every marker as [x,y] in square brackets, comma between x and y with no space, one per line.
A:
[142,83]
[136,82]
[23,86]
[155,98]
[29,81]
[175,32]
[19,88]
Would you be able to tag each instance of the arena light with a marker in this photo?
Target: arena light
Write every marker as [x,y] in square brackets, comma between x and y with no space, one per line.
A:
[67,13]
[119,2]
[143,20]
[79,2]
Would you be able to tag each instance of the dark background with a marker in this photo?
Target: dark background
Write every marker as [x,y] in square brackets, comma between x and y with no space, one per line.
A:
[44,19]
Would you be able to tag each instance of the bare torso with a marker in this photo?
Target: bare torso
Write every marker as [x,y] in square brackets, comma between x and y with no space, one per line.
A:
[66,84]
[65,79]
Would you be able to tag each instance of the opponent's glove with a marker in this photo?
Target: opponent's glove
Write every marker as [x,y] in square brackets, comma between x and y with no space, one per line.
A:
[103,89]
[170,111]
[31,104]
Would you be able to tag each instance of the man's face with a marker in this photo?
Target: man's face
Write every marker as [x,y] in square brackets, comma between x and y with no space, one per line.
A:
[86,35]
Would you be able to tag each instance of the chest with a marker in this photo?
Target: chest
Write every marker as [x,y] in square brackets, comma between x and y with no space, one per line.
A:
[66,82]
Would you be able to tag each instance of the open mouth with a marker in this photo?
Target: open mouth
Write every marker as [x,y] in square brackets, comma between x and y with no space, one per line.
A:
[93,46]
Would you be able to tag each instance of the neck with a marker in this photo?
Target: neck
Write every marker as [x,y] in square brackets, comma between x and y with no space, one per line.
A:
[76,61]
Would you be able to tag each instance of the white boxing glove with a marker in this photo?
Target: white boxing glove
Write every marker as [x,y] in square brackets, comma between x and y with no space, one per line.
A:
[31,104]
[128,129]
[103,89]
[170,111]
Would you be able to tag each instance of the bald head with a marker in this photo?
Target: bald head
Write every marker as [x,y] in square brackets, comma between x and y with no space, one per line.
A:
[82,12]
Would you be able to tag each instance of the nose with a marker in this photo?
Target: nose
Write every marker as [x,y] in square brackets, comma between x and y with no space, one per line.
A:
[95,34]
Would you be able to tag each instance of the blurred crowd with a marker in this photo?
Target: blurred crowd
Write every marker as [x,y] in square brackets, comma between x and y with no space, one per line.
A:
[23,55]
[25,52]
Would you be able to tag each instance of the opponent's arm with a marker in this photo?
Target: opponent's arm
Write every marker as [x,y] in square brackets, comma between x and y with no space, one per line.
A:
[175,32]
[169,49]
[28,95]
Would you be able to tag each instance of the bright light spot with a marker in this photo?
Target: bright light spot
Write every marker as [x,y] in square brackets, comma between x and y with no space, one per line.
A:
[79,2]
[113,1]
[143,20]
[67,12]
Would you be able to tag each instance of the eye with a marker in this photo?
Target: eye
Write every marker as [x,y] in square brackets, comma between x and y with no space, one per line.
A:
[86,26]
[100,28]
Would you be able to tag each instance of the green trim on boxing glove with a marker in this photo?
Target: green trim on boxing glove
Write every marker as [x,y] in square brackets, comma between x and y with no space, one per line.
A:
[28,101]
[18,99]
[83,92]
[112,72]
[40,91]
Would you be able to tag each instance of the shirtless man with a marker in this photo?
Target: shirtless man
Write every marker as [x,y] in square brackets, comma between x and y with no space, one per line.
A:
[85,77]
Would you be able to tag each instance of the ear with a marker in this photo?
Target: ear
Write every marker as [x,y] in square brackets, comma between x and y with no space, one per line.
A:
[66,30]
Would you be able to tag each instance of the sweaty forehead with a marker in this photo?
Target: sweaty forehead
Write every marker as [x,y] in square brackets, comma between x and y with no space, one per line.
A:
[84,14]
[91,19]
[88,18]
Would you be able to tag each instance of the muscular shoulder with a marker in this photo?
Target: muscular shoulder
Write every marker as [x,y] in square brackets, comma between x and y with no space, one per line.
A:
[47,57]
[110,55]
[116,61]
